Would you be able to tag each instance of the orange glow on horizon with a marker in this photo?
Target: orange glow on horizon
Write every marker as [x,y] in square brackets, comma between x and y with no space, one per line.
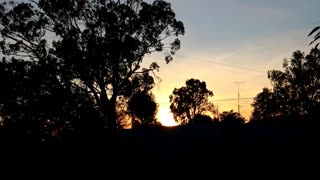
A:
[165,117]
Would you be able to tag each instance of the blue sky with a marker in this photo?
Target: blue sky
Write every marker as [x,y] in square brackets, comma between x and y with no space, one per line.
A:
[229,23]
[252,35]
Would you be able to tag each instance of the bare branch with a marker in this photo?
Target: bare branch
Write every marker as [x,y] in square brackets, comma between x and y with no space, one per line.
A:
[34,2]
[17,40]
[93,91]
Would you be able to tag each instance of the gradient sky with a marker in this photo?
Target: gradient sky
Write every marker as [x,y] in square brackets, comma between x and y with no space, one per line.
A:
[234,40]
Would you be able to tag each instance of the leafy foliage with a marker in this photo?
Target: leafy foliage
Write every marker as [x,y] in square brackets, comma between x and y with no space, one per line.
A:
[96,47]
[265,105]
[190,100]
[36,101]
[316,37]
[231,118]
[201,120]
[143,108]
[296,90]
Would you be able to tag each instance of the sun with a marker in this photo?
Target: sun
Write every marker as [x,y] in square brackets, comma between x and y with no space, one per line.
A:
[166,118]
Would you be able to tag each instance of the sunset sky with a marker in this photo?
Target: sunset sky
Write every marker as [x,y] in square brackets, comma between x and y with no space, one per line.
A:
[234,40]
[229,41]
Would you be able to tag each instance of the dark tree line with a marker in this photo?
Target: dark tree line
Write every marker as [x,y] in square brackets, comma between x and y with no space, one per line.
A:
[191,106]
[295,95]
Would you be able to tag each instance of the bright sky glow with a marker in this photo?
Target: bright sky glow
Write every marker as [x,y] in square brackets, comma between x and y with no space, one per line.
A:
[234,40]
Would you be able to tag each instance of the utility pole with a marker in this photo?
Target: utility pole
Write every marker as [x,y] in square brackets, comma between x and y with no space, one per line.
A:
[238,83]
[217,112]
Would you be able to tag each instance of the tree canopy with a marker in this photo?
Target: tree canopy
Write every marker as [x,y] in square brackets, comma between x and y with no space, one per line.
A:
[265,105]
[95,47]
[231,118]
[295,90]
[201,120]
[190,100]
[143,108]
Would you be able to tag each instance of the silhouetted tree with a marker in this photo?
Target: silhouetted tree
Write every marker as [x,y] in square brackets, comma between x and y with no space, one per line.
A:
[190,100]
[265,105]
[143,109]
[201,120]
[231,118]
[296,90]
[141,82]
[36,100]
[99,44]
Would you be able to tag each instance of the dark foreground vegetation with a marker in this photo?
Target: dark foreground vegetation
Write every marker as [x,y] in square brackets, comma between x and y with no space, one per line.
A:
[253,149]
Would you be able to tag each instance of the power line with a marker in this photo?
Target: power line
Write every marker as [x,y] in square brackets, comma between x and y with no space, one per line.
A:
[234,99]
[250,69]
[224,64]
[219,100]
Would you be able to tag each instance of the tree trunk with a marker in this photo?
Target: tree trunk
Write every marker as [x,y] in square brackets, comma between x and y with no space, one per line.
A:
[111,119]
[108,109]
